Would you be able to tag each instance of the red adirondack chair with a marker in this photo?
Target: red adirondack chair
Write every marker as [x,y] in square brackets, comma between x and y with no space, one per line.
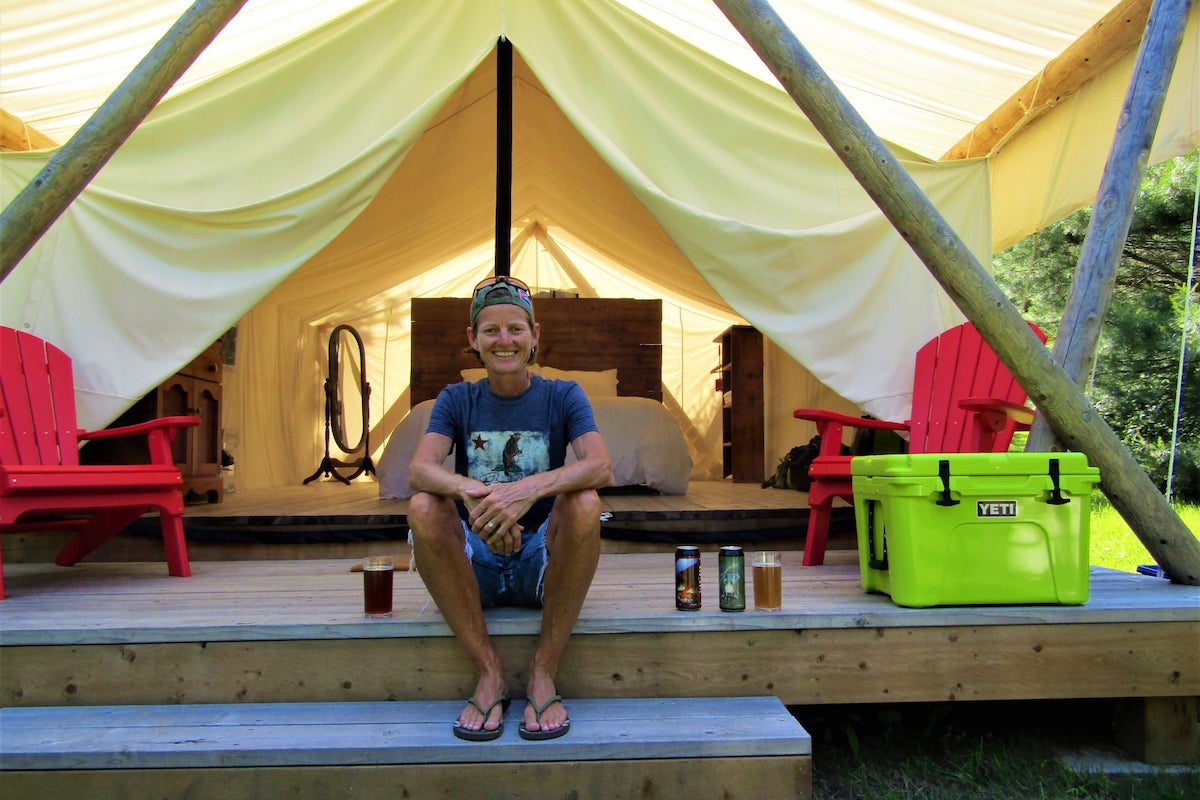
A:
[964,401]
[42,484]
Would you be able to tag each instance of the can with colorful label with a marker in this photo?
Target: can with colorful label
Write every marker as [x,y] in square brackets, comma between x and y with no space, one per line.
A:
[687,578]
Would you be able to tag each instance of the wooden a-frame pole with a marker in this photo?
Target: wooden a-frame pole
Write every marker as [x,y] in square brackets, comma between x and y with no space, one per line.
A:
[1056,396]
[42,201]
[1096,272]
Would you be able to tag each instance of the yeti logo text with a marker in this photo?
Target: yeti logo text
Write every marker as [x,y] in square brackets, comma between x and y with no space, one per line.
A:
[996,508]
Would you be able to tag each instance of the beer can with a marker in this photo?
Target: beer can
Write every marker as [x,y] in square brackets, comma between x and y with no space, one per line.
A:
[731,566]
[687,578]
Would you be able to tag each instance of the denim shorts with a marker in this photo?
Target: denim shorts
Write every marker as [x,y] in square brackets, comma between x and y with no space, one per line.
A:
[509,580]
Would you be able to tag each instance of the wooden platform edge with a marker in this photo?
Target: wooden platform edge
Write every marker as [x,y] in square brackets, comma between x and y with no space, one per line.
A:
[803,667]
[771,776]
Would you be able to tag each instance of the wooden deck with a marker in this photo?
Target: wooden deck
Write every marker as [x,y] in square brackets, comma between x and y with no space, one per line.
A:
[744,747]
[327,519]
[324,499]
[272,631]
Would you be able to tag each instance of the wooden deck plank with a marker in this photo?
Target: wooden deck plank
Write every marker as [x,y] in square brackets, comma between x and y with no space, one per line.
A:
[273,600]
[801,667]
[672,710]
[285,734]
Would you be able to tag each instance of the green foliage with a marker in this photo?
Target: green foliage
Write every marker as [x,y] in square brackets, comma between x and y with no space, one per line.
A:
[1137,360]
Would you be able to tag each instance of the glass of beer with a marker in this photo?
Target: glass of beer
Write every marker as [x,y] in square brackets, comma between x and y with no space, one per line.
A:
[377,586]
[768,581]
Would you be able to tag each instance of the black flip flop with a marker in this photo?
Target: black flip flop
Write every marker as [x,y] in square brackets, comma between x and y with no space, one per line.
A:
[541,734]
[483,734]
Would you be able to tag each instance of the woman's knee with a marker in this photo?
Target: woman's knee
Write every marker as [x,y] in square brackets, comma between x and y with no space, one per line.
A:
[430,516]
[580,510]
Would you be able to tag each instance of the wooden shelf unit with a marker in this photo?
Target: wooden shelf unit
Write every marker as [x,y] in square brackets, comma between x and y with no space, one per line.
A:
[740,382]
[194,390]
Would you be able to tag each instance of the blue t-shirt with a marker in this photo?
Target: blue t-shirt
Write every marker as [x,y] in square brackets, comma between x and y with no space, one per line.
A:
[503,439]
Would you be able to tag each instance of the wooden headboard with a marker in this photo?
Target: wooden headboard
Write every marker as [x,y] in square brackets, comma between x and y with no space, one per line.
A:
[577,333]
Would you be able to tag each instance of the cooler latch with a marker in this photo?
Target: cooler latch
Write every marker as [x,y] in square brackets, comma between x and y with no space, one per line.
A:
[944,474]
[1056,495]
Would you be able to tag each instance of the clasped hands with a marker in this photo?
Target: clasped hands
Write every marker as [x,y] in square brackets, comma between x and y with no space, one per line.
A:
[493,513]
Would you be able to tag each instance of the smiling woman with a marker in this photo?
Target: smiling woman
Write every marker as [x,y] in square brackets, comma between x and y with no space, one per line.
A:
[503,334]
[506,344]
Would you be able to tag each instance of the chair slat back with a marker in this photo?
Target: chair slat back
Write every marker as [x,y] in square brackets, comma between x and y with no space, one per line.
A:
[951,367]
[38,424]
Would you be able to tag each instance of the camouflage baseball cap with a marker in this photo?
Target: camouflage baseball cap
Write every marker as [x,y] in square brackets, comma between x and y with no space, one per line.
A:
[500,290]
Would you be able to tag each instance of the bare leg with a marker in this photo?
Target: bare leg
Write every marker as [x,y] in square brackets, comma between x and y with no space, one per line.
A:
[439,543]
[573,541]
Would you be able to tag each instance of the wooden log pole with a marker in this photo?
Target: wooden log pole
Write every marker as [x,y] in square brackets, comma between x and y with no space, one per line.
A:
[970,286]
[1096,272]
[1108,41]
[42,201]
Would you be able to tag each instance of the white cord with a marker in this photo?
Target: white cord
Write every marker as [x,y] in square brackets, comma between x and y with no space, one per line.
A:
[1187,324]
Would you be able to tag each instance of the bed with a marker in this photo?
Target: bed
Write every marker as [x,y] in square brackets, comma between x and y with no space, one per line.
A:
[611,347]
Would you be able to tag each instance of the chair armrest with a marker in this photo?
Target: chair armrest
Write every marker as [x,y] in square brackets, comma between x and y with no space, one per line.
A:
[142,428]
[819,415]
[995,414]
[159,433]
[831,423]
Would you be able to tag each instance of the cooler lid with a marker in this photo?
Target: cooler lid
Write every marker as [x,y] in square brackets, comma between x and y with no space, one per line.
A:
[922,465]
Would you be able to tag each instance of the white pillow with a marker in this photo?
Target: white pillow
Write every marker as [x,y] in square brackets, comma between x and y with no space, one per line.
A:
[600,383]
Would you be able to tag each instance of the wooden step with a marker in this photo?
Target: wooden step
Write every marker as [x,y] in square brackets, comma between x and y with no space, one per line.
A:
[714,746]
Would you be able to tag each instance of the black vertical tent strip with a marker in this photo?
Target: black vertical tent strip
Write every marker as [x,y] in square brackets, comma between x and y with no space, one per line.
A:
[503,156]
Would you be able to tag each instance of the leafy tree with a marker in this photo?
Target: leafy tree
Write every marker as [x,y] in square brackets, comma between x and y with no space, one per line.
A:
[1137,361]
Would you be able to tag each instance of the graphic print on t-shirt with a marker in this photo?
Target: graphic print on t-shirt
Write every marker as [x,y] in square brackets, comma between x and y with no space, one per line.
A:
[504,456]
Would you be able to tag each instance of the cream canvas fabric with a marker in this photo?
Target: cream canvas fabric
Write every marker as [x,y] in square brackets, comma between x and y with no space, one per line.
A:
[332,179]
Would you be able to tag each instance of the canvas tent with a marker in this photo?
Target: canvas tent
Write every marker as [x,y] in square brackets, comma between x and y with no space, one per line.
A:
[359,158]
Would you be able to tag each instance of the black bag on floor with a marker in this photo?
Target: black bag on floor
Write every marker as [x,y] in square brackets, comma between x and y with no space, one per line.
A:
[792,472]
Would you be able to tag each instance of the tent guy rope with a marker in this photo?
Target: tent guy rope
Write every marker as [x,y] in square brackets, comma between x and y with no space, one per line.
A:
[1184,330]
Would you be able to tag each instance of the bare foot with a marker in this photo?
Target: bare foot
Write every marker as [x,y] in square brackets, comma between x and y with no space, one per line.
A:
[540,689]
[487,691]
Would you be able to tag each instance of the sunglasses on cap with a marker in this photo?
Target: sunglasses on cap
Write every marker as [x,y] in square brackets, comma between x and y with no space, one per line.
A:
[494,279]
[500,290]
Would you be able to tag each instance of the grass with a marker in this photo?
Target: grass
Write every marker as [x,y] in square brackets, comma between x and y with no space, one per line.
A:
[969,751]
[1115,546]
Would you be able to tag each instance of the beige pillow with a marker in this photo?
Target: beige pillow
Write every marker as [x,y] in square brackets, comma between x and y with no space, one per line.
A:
[473,375]
[600,383]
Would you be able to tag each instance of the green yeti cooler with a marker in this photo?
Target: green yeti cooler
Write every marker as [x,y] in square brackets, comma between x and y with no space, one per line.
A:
[974,528]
